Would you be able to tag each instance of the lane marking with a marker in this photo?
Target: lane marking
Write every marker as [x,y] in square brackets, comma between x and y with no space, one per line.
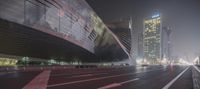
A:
[172,81]
[39,82]
[128,81]
[86,75]
[102,72]
[117,84]
[76,74]
[63,74]
[83,75]
[196,68]
[55,75]
[4,73]
[100,78]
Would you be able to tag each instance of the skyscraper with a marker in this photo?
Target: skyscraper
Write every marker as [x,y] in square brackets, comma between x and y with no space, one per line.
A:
[152,39]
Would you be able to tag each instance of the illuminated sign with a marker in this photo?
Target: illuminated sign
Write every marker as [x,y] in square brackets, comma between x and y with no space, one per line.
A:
[156,15]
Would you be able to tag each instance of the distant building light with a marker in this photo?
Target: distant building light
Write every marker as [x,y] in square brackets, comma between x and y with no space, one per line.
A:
[156,15]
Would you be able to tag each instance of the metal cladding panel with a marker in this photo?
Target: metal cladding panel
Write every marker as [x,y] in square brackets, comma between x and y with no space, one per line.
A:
[71,20]
[51,17]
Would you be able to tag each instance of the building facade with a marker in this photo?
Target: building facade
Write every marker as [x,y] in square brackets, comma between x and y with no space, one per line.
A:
[152,39]
[56,29]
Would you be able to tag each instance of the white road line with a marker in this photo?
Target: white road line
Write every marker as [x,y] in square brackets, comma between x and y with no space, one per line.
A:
[117,84]
[90,72]
[128,81]
[4,73]
[196,68]
[85,75]
[86,80]
[63,74]
[172,81]
[55,75]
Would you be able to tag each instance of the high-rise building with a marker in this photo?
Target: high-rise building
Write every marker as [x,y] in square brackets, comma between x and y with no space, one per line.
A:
[152,39]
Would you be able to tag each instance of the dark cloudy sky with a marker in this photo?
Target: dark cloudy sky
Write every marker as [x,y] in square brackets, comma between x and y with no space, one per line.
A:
[182,15]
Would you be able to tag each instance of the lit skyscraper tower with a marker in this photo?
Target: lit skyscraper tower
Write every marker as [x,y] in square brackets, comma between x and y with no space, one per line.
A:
[152,39]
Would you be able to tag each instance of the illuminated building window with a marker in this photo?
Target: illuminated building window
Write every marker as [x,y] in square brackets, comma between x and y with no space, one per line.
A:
[152,38]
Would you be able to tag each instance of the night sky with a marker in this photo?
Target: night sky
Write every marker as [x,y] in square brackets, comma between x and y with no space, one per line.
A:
[182,15]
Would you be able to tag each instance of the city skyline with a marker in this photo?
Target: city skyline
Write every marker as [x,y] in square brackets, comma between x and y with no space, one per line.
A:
[99,44]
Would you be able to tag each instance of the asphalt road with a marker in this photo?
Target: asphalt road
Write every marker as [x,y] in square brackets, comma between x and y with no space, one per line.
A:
[149,77]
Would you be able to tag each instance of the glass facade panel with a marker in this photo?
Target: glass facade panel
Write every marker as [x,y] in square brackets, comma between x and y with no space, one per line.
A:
[152,44]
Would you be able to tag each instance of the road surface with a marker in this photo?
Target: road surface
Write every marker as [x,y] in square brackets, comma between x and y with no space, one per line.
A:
[148,77]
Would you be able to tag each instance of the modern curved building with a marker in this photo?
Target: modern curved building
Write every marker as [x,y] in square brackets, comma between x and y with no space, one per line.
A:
[122,30]
[56,29]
